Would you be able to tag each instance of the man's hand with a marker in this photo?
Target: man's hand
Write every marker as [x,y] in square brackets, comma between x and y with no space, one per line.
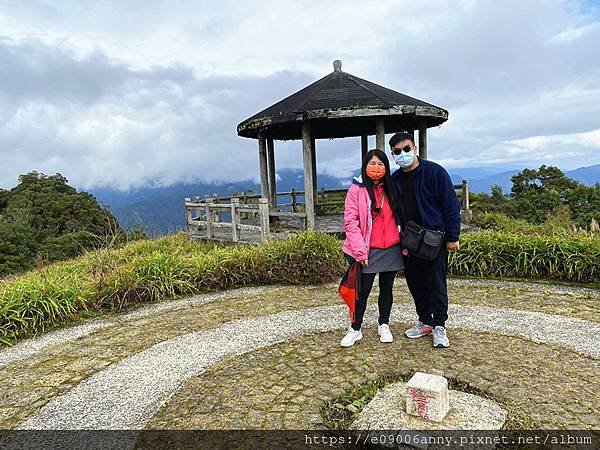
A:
[453,246]
[365,262]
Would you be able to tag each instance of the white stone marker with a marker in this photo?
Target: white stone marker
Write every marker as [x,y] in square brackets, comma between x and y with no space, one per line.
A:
[427,396]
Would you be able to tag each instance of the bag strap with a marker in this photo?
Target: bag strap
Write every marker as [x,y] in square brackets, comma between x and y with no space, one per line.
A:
[401,201]
[380,206]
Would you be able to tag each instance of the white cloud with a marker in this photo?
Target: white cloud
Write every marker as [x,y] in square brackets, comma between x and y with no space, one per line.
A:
[572,34]
[124,94]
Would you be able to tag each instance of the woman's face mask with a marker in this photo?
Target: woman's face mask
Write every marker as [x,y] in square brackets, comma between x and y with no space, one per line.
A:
[375,172]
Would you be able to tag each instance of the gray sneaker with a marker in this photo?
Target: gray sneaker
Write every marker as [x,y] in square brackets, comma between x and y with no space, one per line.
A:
[420,329]
[440,340]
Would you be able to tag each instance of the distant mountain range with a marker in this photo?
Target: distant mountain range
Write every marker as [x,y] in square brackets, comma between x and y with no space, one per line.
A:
[587,175]
[161,211]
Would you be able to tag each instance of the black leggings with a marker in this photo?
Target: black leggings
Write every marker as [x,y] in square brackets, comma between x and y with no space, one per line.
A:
[385,299]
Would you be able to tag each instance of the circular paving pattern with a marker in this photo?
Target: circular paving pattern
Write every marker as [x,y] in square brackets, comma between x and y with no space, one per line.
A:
[270,358]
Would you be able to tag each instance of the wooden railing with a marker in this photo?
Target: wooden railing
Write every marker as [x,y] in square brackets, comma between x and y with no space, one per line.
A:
[206,213]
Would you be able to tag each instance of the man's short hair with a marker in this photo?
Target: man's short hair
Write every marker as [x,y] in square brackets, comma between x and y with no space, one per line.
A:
[401,136]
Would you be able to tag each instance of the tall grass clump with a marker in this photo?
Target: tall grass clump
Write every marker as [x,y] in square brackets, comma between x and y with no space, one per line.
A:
[153,270]
[501,254]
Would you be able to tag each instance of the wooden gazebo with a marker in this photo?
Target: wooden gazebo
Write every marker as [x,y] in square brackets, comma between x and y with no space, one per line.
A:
[338,105]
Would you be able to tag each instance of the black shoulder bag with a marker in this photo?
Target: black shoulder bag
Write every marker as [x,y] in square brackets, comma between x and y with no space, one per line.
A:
[420,242]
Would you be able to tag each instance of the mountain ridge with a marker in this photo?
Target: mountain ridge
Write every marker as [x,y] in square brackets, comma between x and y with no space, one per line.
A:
[160,209]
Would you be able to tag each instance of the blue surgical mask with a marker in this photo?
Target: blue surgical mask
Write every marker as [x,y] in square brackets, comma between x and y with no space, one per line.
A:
[405,159]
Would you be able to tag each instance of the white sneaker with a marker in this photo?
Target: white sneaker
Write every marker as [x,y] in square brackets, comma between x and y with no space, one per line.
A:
[440,339]
[385,335]
[351,337]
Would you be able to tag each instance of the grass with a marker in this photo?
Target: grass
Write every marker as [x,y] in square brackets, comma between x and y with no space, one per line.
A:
[170,267]
[149,271]
[501,254]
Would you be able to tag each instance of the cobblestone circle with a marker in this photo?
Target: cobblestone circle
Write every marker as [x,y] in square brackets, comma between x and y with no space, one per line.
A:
[283,385]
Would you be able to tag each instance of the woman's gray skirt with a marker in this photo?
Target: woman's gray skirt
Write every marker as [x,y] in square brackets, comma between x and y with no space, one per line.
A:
[384,260]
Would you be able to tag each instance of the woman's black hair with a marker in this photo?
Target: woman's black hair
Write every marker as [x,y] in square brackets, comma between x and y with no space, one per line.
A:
[388,184]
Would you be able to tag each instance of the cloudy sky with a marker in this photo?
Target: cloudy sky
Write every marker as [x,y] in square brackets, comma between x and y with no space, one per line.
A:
[130,93]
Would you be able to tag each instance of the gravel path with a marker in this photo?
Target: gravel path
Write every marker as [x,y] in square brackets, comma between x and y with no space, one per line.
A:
[127,394]
[556,288]
[30,347]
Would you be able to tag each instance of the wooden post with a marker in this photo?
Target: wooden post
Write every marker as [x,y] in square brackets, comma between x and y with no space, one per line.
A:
[294,201]
[198,210]
[262,156]
[423,138]
[380,133]
[244,202]
[313,150]
[235,202]
[309,195]
[272,181]
[188,214]
[216,213]
[364,145]
[209,218]
[465,194]
[263,207]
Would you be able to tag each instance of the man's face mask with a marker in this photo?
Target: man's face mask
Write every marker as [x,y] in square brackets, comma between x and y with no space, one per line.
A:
[405,157]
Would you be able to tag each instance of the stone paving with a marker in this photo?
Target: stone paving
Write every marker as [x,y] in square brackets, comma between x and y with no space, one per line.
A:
[510,375]
[284,386]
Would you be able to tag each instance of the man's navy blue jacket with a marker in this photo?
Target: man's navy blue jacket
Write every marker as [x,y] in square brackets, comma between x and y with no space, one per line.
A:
[436,198]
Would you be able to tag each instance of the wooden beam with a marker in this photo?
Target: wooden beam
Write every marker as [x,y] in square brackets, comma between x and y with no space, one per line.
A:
[271,172]
[430,111]
[309,195]
[262,156]
[423,138]
[364,145]
[380,133]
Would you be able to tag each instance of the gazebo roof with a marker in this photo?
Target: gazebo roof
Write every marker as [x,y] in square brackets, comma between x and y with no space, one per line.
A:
[341,105]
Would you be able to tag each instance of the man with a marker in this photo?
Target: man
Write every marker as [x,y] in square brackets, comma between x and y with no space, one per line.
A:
[428,198]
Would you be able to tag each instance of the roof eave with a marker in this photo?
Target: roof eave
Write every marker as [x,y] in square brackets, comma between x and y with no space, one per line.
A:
[250,127]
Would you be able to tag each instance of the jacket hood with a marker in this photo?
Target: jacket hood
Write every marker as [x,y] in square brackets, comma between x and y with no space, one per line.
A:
[357,180]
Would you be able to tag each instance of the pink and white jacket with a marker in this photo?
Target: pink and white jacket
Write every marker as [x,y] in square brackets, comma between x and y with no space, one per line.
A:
[358,221]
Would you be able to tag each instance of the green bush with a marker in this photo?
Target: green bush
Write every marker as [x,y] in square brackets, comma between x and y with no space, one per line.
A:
[573,258]
[151,270]
[170,267]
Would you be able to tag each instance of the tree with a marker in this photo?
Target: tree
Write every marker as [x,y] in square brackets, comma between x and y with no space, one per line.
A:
[3,199]
[17,247]
[57,221]
[535,193]
[585,204]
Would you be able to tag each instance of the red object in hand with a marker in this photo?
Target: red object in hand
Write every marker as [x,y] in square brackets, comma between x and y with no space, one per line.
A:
[349,287]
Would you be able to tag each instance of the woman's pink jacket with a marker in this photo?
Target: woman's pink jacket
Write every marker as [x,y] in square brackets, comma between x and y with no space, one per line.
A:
[358,221]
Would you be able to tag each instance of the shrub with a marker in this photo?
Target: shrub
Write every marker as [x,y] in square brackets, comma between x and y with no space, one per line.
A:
[169,267]
[151,270]
[573,258]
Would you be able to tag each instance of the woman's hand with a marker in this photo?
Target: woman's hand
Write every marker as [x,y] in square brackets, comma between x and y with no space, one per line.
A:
[364,262]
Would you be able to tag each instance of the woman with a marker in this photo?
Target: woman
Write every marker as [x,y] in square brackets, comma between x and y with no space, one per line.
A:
[373,239]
